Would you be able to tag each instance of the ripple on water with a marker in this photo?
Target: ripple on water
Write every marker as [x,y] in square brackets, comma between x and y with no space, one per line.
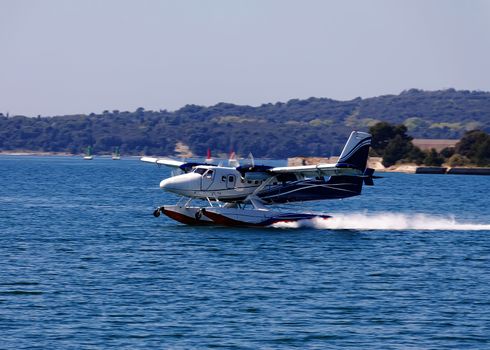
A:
[85,265]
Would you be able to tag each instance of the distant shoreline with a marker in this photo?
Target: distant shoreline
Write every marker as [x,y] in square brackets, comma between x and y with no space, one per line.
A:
[311,126]
[374,162]
[36,153]
[47,154]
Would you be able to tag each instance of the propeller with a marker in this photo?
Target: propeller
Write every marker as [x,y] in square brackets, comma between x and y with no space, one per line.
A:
[251,157]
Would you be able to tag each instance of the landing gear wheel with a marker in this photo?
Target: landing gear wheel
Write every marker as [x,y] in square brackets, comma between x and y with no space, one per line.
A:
[157,211]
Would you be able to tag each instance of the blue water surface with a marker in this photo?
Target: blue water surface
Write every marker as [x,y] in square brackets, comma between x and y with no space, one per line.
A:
[85,265]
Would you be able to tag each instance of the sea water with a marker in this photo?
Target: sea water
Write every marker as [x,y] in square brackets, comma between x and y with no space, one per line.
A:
[85,265]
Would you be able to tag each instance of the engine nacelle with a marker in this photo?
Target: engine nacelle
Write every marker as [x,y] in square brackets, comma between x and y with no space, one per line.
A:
[259,175]
[254,173]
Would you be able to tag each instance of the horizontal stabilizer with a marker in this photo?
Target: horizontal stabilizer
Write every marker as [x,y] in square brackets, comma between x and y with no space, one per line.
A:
[368,177]
[317,170]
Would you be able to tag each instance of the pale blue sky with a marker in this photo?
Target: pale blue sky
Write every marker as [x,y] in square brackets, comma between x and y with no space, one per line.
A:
[68,57]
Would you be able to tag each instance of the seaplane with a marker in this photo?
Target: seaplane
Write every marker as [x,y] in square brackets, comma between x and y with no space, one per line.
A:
[240,195]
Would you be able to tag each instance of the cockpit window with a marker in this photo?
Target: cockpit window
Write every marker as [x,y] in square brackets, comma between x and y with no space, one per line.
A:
[200,170]
[209,173]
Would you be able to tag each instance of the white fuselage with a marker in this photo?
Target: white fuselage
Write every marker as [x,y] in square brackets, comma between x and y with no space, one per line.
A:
[208,181]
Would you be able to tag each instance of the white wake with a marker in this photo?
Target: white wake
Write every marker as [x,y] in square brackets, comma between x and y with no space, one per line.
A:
[386,221]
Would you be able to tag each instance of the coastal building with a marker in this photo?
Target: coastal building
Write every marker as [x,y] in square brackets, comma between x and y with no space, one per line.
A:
[437,144]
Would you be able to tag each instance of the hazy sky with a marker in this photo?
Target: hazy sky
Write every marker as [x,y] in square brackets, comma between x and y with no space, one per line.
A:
[68,57]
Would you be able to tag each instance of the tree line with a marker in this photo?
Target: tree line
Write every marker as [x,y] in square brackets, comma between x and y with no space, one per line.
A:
[392,143]
[310,127]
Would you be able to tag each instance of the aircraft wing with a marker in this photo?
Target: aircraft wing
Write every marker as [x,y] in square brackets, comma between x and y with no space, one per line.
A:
[163,161]
[316,170]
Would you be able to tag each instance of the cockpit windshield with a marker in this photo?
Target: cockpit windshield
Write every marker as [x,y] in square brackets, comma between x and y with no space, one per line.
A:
[200,170]
[204,172]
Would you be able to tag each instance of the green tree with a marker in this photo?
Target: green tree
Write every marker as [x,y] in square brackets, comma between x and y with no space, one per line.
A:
[392,143]
[416,155]
[447,152]
[433,158]
[475,145]
[396,149]
[382,134]
[458,160]
[469,142]
[482,154]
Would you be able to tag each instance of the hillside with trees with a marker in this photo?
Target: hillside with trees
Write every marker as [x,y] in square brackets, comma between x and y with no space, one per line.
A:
[311,127]
[393,145]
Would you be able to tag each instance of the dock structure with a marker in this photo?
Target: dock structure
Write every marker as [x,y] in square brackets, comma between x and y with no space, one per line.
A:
[451,171]
[469,171]
[430,170]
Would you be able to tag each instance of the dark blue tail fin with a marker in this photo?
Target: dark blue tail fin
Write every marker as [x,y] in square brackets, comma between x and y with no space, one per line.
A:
[356,150]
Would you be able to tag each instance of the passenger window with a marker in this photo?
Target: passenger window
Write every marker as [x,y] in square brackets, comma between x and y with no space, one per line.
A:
[223,178]
[231,178]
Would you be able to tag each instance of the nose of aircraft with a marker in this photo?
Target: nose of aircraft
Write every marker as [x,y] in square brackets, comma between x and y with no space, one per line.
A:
[165,183]
[181,183]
